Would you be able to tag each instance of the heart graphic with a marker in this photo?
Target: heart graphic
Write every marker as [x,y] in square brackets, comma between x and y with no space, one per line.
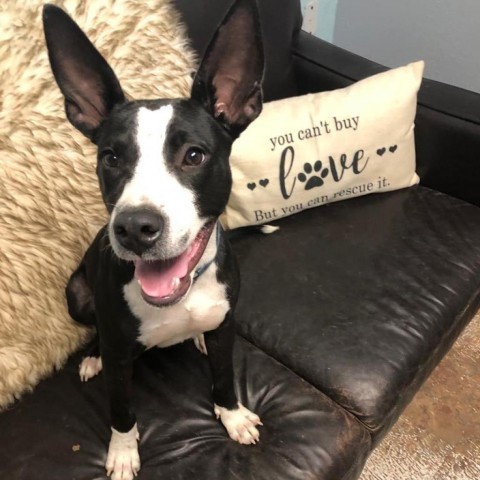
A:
[381,151]
[251,186]
[264,182]
[393,148]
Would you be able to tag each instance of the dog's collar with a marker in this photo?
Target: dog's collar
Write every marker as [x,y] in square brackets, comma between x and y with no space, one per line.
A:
[201,270]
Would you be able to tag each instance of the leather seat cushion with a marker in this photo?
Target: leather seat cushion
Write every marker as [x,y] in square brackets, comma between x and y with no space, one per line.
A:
[305,435]
[363,297]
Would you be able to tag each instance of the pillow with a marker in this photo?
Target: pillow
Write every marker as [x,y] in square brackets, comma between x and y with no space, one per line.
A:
[307,151]
[50,206]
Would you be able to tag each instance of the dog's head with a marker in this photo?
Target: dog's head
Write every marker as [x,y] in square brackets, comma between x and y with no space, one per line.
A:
[162,164]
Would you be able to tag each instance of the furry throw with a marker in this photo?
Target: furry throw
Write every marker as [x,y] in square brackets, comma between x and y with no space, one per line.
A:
[50,207]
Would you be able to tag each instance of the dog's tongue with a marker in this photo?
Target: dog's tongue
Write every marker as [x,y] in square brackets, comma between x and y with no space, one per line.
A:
[161,278]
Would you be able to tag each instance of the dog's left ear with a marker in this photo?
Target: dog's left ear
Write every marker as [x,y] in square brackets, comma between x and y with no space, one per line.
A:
[229,81]
[87,82]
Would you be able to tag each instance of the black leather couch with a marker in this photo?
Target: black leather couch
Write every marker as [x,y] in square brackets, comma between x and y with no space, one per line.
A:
[343,313]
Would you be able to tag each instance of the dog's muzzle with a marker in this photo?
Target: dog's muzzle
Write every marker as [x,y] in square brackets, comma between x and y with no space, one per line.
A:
[163,281]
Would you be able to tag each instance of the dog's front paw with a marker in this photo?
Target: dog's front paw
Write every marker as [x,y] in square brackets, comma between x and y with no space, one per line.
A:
[240,424]
[200,344]
[123,461]
[90,367]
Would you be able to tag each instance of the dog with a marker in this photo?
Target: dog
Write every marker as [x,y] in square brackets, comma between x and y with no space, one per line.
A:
[161,271]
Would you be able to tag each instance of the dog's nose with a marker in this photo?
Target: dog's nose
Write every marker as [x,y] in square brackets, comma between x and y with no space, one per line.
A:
[138,230]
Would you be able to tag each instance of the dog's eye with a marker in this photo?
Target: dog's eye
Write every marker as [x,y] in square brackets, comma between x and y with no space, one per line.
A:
[109,158]
[194,157]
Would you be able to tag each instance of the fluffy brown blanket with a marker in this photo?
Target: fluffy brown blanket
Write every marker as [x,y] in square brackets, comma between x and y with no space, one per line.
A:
[50,207]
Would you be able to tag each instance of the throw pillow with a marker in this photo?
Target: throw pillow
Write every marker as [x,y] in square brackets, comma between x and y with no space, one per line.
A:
[307,151]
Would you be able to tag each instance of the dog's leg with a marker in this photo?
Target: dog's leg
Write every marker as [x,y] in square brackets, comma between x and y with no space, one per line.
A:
[81,306]
[123,461]
[241,423]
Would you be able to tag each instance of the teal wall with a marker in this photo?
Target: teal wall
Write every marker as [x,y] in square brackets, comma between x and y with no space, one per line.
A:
[324,18]
[444,33]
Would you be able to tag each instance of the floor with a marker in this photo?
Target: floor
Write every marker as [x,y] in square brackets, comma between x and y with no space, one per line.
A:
[438,435]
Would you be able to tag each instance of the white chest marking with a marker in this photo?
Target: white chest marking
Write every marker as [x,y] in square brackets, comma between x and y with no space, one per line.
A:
[202,309]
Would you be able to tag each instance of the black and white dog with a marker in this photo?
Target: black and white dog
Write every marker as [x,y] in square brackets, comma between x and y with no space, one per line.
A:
[161,271]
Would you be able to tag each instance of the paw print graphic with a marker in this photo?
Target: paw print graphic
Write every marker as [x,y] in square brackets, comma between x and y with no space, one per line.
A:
[313,176]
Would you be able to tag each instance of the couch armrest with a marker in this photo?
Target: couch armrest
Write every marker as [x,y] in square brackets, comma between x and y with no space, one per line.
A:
[447,122]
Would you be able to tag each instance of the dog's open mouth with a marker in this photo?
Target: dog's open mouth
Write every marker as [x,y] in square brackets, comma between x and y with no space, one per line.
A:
[164,282]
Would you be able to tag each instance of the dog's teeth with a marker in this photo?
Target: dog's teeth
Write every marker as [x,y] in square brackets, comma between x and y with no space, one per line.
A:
[175,282]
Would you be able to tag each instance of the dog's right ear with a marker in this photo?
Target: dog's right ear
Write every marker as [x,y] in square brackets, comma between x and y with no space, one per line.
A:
[87,82]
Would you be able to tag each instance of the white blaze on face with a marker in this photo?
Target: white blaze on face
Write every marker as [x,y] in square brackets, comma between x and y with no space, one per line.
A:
[153,185]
